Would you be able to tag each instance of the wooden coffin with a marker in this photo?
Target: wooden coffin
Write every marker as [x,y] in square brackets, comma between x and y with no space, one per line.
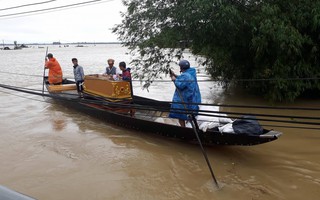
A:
[105,86]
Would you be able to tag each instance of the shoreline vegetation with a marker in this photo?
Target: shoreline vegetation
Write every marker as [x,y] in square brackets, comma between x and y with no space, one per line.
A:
[270,48]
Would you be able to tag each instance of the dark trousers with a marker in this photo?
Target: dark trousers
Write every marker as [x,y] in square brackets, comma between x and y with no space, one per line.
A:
[79,86]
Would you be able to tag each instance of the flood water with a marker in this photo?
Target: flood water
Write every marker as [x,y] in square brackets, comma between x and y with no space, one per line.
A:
[52,152]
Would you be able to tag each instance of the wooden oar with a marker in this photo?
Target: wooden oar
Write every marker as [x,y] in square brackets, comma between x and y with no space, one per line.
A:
[44,72]
[195,130]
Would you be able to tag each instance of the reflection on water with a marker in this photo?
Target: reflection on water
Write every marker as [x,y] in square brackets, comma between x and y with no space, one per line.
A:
[58,124]
[58,120]
[52,152]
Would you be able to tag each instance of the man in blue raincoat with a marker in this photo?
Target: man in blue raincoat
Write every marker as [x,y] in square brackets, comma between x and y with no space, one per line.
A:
[187,91]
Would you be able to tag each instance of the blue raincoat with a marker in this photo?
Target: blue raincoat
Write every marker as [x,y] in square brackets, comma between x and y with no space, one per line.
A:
[187,84]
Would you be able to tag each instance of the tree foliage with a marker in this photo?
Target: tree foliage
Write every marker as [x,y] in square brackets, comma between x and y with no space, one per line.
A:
[275,42]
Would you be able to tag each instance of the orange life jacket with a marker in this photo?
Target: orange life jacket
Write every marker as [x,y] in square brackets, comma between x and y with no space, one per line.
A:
[55,72]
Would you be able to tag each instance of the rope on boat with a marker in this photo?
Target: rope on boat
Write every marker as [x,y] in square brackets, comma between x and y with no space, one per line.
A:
[163,109]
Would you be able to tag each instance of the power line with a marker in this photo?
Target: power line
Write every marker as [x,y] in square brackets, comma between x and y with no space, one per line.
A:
[149,107]
[294,127]
[26,5]
[23,96]
[69,6]
[20,74]
[265,125]
[220,105]
[170,81]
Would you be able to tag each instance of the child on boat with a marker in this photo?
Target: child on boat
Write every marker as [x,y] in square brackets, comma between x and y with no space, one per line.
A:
[126,75]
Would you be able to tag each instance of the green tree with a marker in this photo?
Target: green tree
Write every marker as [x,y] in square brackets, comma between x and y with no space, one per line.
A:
[272,40]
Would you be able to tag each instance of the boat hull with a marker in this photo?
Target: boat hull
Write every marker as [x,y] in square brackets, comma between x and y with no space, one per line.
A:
[125,119]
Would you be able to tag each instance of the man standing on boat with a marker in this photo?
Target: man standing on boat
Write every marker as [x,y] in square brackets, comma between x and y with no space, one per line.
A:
[55,72]
[187,91]
[78,75]
[111,70]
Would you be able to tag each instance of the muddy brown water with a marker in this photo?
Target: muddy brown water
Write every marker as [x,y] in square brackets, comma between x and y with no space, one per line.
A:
[52,152]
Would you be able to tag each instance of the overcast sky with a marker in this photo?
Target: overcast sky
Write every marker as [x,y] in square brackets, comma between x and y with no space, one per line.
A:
[88,23]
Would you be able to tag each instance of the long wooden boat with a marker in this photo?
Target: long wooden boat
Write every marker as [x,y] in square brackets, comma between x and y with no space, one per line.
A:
[113,102]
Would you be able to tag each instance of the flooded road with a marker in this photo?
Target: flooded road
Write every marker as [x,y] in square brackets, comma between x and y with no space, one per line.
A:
[52,152]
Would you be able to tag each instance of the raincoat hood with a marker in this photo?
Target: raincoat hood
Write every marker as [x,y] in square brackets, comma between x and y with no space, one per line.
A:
[192,72]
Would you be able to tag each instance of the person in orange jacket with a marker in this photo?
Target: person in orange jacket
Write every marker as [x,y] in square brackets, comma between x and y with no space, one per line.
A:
[55,72]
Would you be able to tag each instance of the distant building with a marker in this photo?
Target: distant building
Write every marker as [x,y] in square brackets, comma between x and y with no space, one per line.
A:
[56,43]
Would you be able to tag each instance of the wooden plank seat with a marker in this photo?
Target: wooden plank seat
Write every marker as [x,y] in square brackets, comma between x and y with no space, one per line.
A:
[61,88]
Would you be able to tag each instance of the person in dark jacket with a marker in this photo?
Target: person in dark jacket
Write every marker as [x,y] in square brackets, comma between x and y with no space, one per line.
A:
[78,75]
[126,75]
[187,91]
